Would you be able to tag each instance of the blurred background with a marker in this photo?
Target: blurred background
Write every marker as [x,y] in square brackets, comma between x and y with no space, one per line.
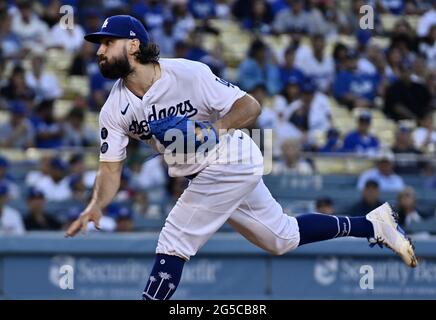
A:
[352,111]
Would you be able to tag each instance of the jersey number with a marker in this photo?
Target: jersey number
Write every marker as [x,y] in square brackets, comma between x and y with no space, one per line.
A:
[224,82]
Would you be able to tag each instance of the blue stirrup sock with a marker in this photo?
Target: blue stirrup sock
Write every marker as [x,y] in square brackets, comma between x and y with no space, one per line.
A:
[318,227]
[164,278]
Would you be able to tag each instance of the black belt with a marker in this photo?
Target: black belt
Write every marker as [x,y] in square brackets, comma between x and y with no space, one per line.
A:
[192,176]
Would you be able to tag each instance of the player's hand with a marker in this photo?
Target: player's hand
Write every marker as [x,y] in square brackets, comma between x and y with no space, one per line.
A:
[91,213]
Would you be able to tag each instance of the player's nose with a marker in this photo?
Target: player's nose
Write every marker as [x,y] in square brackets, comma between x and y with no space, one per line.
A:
[101,50]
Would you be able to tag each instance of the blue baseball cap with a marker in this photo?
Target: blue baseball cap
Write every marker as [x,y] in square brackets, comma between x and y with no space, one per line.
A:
[308,86]
[35,193]
[58,163]
[119,211]
[293,79]
[121,26]
[364,115]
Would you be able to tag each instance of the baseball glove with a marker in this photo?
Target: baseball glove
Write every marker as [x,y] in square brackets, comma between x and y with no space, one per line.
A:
[191,133]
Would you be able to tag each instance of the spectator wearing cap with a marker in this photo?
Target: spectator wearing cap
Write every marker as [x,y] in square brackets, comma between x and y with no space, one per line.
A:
[202,9]
[406,155]
[311,113]
[333,141]
[360,140]
[370,199]
[48,130]
[257,68]
[316,63]
[76,132]
[288,69]
[37,219]
[31,30]
[78,188]
[405,98]
[77,167]
[290,93]
[353,88]
[424,137]
[259,17]
[123,217]
[16,87]
[165,37]
[55,185]
[11,222]
[18,132]
[324,205]
[45,84]
[10,44]
[292,17]
[406,207]
[153,13]
[383,173]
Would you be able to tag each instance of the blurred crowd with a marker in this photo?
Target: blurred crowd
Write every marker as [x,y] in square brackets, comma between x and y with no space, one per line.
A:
[383,72]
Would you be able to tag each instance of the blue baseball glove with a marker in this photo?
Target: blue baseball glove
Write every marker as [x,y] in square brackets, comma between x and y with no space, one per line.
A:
[191,133]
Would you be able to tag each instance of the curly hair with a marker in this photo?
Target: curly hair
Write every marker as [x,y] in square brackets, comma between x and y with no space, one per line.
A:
[148,53]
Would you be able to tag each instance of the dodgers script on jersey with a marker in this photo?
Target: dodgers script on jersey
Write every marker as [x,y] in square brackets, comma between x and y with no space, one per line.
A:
[186,88]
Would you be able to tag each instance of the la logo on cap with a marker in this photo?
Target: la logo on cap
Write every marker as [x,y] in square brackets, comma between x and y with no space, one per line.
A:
[105,23]
[132,34]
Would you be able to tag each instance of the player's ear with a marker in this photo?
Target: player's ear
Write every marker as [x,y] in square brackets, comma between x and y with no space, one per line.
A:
[133,46]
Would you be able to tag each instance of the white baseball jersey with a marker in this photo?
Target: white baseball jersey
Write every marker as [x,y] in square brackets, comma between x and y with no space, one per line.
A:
[185,88]
[221,191]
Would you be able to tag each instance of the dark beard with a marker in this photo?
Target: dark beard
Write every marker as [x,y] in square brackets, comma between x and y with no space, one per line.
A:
[119,68]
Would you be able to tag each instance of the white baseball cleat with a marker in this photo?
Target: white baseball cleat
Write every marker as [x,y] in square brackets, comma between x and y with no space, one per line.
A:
[387,232]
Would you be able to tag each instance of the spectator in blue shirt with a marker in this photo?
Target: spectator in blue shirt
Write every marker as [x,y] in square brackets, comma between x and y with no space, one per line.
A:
[99,88]
[288,69]
[202,9]
[258,69]
[152,13]
[47,129]
[361,140]
[383,173]
[260,17]
[353,88]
